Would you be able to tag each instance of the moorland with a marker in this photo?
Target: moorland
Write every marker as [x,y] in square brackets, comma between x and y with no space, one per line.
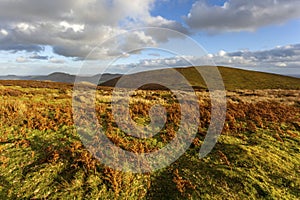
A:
[257,155]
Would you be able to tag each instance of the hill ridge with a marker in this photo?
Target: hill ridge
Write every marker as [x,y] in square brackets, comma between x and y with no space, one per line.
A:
[233,79]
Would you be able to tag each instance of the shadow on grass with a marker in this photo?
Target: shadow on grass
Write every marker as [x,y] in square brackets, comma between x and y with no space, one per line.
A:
[241,176]
[4,188]
[53,152]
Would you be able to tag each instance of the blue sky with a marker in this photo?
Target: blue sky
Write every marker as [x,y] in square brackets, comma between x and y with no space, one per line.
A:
[41,37]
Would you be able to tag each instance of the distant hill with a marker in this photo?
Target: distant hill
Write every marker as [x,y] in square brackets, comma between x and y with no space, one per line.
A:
[62,77]
[293,75]
[233,79]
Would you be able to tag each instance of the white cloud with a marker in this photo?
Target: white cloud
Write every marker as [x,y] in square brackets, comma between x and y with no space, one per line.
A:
[21,59]
[56,61]
[286,57]
[237,15]
[25,27]
[222,53]
[74,27]
[280,64]
[3,32]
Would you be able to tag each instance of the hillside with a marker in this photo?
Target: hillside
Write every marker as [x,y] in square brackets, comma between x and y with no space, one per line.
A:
[62,77]
[233,79]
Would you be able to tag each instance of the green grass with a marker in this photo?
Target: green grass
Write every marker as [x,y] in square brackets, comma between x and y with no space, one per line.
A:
[255,167]
[237,169]
[234,79]
[29,169]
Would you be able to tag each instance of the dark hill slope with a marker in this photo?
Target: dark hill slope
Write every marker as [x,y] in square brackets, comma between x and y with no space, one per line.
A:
[62,77]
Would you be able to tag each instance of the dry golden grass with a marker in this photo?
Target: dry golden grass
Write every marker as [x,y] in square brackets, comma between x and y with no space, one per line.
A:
[42,156]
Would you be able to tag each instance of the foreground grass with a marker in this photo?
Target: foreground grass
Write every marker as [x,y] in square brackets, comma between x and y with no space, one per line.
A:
[42,157]
[50,165]
[55,165]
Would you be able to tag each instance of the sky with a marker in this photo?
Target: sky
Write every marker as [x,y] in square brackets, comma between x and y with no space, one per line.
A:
[39,37]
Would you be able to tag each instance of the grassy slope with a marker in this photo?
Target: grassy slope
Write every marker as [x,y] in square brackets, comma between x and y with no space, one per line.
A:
[41,155]
[233,79]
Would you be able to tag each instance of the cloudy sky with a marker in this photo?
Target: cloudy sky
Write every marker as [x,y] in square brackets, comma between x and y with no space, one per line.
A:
[42,36]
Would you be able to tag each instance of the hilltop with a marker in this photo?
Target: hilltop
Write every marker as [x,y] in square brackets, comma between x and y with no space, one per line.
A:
[233,79]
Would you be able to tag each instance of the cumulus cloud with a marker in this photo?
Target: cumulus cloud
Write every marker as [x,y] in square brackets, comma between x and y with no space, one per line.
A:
[56,61]
[21,59]
[237,15]
[176,61]
[74,27]
[281,56]
[284,57]
[3,32]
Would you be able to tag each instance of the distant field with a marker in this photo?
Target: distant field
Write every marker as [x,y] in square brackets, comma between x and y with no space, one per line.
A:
[256,157]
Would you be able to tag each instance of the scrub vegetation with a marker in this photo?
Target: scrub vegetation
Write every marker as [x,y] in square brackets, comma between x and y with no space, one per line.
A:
[42,157]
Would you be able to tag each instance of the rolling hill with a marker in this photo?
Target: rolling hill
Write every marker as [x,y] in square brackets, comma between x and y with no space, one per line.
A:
[62,77]
[233,79]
